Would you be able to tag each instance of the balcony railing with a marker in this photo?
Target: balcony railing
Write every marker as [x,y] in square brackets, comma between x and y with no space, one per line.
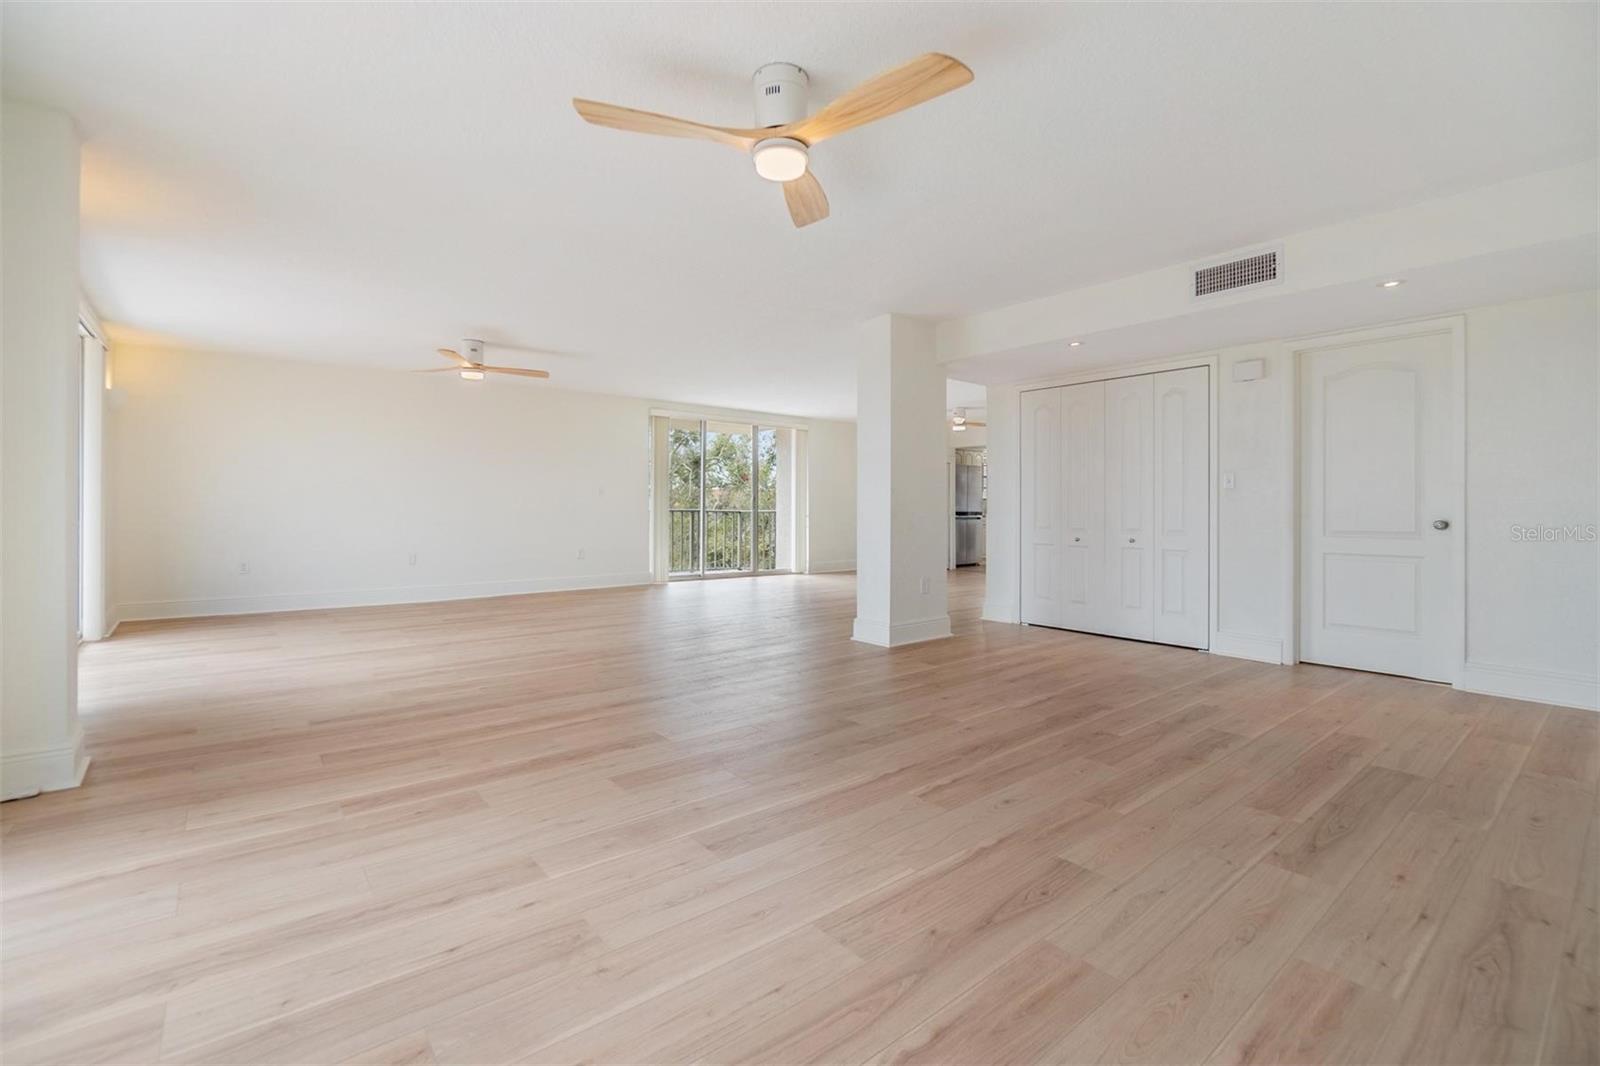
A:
[727,537]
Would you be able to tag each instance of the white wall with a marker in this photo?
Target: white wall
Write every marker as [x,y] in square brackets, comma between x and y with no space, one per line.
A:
[324,481]
[1002,529]
[831,469]
[1531,459]
[1532,399]
[95,593]
[1253,444]
[40,741]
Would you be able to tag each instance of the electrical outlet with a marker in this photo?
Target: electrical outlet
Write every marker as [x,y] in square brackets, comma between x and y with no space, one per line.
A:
[244,567]
[580,553]
[927,585]
[1228,480]
[413,559]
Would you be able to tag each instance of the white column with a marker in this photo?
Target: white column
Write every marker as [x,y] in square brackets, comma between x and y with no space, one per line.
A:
[1001,579]
[41,744]
[900,484]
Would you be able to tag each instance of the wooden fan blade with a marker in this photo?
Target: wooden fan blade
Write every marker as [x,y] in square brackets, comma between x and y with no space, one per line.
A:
[626,118]
[916,82]
[970,422]
[806,200]
[515,370]
[442,370]
[451,353]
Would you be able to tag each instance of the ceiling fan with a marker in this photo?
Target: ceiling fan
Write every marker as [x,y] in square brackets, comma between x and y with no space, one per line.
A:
[959,420]
[779,144]
[471,366]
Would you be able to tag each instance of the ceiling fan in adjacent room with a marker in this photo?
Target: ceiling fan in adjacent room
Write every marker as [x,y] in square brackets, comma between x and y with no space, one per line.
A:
[780,142]
[959,420]
[471,366]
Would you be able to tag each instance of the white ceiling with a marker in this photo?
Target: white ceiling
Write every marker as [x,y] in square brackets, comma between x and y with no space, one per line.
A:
[365,182]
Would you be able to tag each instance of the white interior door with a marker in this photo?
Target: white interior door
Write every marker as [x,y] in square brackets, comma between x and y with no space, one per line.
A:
[1182,527]
[1083,506]
[1129,491]
[1041,507]
[1378,530]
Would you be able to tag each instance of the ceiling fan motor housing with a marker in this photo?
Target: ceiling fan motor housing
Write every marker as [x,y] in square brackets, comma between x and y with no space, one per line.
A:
[472,350]
[780,90]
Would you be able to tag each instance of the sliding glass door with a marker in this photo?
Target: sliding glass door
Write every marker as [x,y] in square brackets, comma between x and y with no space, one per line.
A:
[724,495]
[728,522]
[683,497]
[766,516]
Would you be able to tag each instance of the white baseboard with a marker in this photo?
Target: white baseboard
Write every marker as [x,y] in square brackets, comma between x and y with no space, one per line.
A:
[28,773]
[1536,686]
[884,635]
[994,611]
[319,601]
[1245,646]
[836,566]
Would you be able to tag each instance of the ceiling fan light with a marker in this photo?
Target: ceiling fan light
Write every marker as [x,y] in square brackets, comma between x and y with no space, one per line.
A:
[471,375]
[780,158]
[959,427]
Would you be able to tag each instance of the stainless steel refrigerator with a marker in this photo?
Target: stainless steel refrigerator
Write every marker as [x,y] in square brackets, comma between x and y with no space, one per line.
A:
[969,515]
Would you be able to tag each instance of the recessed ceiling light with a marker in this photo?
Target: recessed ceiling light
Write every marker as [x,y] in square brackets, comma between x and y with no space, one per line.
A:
[1074,344]
[1392,283]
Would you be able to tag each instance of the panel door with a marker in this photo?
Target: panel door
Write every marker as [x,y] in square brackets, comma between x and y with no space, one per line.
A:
[1377,591]
[1129,438]
[1182,546]
[1041,507]
[1083,506]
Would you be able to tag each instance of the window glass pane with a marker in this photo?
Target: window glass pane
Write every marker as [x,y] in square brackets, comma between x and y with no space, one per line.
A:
[767,499]
[683,465]
[729,526]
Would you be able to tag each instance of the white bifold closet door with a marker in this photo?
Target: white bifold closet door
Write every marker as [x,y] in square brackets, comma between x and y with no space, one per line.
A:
[1130,488]
[1115,506]
[1083,505]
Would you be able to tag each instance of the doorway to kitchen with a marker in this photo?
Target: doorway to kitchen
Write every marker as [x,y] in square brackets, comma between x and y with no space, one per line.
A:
[970,495]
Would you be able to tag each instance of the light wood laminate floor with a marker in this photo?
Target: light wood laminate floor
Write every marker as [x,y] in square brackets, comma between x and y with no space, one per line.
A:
[698,823]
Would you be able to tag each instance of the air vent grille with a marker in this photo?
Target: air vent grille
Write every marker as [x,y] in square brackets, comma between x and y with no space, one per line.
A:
[1251,270]
[773,90]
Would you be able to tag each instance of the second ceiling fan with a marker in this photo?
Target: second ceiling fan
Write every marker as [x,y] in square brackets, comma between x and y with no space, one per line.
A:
[780,142]
[960,422]
[471,366]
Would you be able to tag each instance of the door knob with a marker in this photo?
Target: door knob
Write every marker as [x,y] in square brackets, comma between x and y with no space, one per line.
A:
[1441,523]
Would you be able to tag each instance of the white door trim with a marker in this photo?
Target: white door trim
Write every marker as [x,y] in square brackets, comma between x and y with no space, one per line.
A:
[1455,326]
[1213,489]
